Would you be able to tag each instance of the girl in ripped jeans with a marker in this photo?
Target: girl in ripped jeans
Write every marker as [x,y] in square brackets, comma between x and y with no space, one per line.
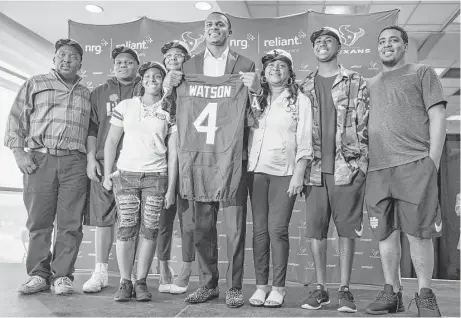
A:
[145,178]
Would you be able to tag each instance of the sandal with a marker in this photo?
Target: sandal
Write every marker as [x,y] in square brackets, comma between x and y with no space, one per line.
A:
[275,299]
[258,298]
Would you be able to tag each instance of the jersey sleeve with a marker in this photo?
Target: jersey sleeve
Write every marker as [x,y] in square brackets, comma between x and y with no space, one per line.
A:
[118,114]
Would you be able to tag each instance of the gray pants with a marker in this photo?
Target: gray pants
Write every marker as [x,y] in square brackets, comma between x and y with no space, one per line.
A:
[272,208]
[56,191]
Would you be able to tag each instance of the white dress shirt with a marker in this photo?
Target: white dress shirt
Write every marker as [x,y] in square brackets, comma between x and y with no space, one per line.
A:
[212,66]
[281,137]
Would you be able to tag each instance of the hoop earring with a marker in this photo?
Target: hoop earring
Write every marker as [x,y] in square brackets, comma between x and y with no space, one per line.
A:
[263,80]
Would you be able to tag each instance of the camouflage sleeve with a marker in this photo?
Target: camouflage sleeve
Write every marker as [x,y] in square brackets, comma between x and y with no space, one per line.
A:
[363,106]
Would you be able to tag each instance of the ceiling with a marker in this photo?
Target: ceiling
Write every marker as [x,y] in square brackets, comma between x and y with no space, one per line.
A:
[32,26]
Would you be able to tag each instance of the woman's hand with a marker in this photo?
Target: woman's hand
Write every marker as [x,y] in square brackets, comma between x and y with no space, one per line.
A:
[170,197]
[296,185]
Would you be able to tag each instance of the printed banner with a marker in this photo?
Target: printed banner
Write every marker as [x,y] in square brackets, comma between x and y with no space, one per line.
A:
[251,38]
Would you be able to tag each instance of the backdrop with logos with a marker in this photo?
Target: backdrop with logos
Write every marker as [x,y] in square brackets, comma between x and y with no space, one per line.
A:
[252,38]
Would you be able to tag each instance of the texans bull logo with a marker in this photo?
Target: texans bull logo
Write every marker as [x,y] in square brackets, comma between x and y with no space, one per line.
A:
[349,37]
[192,41]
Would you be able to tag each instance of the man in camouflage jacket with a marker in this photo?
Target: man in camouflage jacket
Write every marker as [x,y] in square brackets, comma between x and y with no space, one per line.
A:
[337,175]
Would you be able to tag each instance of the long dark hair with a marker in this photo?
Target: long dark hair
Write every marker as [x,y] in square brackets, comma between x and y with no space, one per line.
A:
[291,85]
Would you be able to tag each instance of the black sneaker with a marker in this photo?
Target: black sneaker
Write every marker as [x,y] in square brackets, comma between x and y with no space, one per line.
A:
[427,303]
[234,297]
[316,298]
[124,291]
[386,302]
[202,294]
[141,292]
[346,300]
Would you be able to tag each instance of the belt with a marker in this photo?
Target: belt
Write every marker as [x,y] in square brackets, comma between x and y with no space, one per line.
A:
[56,152]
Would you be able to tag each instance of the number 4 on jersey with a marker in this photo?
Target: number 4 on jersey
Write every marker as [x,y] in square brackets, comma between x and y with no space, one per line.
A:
[211,111]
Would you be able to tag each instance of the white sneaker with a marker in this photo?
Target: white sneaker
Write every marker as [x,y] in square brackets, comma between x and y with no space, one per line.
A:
[63,286]
[97,281]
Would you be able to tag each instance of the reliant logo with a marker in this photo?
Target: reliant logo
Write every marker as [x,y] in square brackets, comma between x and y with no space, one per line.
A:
[138,46]
[279,41]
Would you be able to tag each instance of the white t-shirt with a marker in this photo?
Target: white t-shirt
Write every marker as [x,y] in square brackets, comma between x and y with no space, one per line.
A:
[144,148]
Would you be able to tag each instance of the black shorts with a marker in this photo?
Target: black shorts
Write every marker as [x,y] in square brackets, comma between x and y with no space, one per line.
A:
[345,202]
[102,208]
[404,198]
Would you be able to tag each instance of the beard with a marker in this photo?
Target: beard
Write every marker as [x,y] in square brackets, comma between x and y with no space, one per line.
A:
[390,63]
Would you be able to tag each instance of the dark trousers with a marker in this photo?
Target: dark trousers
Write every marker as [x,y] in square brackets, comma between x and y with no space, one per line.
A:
[55,191]
[272,208]
[206,236]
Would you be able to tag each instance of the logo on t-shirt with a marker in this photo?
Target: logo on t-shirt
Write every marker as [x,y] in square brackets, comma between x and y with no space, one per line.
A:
[111,104]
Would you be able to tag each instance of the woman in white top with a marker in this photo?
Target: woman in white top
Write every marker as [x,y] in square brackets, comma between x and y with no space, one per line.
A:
[280,148]
[145,179]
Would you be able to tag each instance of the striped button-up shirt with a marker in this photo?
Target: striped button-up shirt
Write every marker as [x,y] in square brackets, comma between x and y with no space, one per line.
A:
[48,114]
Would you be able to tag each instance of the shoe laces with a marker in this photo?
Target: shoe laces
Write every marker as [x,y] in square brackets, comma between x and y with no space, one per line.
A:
[124,285]
[315,293]
[426,303]
[234,290]
[64,281]
[35,280]
[345,294]
[384,297]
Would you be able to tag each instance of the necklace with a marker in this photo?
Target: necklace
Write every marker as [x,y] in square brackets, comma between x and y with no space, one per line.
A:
[147,111]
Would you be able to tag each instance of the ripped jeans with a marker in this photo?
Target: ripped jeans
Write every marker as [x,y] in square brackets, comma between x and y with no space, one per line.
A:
[140,200]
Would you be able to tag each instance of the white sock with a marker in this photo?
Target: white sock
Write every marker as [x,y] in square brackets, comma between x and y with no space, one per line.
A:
[101,267]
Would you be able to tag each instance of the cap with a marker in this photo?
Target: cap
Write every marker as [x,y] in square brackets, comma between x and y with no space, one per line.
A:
[69,42]
[145,66]
[277,54]
[325,31]
[124,49]
[176,44]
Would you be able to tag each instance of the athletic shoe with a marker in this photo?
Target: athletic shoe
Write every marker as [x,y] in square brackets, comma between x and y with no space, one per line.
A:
[97,281]
[124,291]
[63,286]
[234,297]
[386,302]
[427,303]
[346,300]
[33,285]
[141,292]
[316,298]
[202,294]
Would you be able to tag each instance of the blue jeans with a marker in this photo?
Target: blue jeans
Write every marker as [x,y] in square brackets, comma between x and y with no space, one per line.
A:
[140,200]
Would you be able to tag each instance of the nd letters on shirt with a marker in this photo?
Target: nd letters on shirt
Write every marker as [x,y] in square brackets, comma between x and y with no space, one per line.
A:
[210,119]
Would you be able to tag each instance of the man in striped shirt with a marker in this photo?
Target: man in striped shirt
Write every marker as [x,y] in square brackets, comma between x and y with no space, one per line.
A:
[47,130]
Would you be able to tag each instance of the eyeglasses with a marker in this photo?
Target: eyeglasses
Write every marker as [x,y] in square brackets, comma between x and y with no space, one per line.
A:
[175,55]
[73,57]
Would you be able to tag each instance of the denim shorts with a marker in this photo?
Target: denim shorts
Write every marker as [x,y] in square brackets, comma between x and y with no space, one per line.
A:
[140,200]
